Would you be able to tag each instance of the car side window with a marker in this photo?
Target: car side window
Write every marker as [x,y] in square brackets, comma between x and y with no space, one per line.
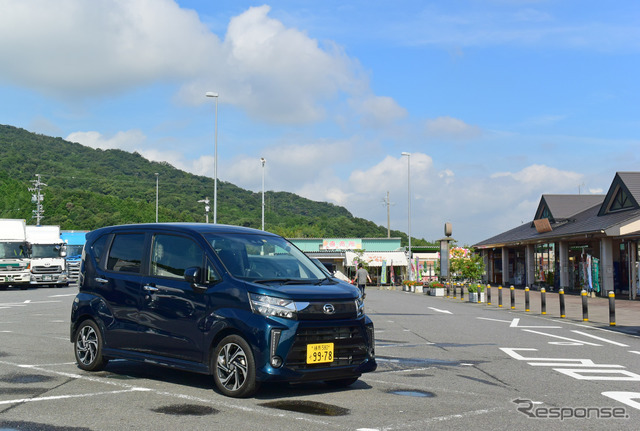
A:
[171,255]
[98,247]
[126,253]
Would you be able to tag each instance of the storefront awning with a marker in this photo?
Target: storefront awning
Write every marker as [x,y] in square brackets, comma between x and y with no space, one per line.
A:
[372,258]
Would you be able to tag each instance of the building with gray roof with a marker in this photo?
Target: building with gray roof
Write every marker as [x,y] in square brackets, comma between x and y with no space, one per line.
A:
[574,242]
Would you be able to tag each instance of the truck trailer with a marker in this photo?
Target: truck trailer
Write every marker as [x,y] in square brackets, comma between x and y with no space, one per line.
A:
[14,254]
[48,251]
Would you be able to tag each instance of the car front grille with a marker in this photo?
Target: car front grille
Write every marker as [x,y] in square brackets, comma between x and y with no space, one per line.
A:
[55,269]
[350,346]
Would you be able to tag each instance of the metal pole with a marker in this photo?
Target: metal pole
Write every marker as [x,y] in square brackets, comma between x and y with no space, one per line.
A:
[612,308]
[409,214]
[543,301]
[263,161]
[562,305]
[513,297]
[215,162]
[585,306]
[500,296]
[488,294]
[156,197]
[527,299]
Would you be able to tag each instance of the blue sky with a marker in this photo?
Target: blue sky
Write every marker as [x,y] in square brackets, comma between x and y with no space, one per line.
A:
[498,101]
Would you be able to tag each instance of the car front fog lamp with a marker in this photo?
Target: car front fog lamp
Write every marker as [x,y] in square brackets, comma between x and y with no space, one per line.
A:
[276,361]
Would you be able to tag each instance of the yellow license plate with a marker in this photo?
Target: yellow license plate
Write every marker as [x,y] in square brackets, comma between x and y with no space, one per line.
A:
[319,353]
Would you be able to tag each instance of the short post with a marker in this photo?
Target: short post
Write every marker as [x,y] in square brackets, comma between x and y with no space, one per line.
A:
[562,306]
[500,296]
[447,289]
[462,292]
[585,306]
[488,294]
[612,308]
[543,301]
[527,299]
[455,287]
[513,297]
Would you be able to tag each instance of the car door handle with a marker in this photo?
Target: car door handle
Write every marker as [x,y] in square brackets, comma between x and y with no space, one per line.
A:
[150,288]
[101,280]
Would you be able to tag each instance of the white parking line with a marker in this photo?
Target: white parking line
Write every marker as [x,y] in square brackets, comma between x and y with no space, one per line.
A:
[63,397]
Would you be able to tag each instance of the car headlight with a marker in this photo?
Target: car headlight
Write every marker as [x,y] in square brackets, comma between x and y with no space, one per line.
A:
[360,305]
[270,306]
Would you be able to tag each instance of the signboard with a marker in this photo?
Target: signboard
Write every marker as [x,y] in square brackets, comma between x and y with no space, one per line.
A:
[444,258]
[341,244]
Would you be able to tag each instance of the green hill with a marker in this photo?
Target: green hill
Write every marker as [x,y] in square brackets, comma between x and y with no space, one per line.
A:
[88,188]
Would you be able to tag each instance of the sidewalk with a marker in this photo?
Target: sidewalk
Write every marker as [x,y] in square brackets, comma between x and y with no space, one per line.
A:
[627,312]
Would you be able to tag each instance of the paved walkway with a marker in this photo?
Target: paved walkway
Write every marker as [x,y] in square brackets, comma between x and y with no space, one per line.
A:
[627,312]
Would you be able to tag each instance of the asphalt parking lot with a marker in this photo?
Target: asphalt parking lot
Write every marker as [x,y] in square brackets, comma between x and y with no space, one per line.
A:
[427,377]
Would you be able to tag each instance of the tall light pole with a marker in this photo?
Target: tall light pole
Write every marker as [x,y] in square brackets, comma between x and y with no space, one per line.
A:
[262,161]
[409,199]
[157,197]
[215,162]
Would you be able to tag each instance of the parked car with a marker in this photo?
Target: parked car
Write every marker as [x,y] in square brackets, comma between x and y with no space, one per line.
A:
[243,305]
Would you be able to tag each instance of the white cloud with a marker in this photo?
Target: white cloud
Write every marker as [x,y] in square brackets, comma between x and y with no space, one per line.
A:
[75,49]
[541,177]
[378,111]
[131,140]
[451,128]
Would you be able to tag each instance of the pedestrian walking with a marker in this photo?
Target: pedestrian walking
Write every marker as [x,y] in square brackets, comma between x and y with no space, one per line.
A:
[362,276]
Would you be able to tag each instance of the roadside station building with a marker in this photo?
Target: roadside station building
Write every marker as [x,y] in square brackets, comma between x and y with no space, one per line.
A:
[385,257]
[575,242]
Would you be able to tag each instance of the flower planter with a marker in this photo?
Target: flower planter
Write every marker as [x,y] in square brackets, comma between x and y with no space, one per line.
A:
[473,297]
[436,292]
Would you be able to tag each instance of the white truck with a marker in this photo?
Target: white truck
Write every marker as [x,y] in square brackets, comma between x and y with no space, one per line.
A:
[48,266]
[14,254]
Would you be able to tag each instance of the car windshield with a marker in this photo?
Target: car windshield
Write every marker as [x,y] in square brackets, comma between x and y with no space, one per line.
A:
[45,250]
[74,250]
[12,250]
[264,259]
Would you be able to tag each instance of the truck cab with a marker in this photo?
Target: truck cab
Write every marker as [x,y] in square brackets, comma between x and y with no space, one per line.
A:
[14,254]
[48,266]
[74,241]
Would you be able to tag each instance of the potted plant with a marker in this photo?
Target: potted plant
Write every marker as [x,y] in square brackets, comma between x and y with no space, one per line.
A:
[476,292]
[436,288]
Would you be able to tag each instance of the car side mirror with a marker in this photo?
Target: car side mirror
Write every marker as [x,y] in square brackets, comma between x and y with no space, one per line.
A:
[193,275]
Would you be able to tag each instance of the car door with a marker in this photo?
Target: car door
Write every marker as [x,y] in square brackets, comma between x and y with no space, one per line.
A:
[172,312]
[118,279]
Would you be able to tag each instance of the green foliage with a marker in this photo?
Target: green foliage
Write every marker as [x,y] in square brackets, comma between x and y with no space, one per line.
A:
[89,188]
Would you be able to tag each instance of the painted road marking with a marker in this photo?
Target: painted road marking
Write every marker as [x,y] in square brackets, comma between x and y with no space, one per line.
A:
[600,339]
[63,397]
[441,311]
[571,340]
[515,323]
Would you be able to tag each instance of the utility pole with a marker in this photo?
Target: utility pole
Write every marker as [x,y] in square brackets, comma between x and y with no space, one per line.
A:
[37,197]
[388,204]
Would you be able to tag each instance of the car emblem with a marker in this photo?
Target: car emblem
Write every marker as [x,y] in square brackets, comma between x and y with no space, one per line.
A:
[329,309]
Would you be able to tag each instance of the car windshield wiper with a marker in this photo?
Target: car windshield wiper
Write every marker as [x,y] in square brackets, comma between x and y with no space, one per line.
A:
[282,281]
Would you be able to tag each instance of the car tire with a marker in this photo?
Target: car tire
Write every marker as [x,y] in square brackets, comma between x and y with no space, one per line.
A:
[88,347]
[234,368]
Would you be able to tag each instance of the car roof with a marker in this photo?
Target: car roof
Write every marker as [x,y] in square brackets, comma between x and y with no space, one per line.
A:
[201,228]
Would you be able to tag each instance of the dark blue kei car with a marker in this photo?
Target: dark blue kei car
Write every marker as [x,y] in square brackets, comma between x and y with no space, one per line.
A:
[243,305]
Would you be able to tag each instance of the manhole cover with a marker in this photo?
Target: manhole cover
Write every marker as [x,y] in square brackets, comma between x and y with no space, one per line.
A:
[417,394]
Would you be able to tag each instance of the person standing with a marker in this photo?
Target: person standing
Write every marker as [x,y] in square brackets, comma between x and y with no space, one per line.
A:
[362,276]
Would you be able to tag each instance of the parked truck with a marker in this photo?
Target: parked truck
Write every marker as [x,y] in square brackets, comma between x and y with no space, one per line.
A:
[14,254]
[48,251]
[74,240]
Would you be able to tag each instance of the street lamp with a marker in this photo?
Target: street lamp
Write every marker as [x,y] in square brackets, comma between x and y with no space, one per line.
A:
[262,161]
[215,162]
[206,208]
[157,197]
[409,199]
